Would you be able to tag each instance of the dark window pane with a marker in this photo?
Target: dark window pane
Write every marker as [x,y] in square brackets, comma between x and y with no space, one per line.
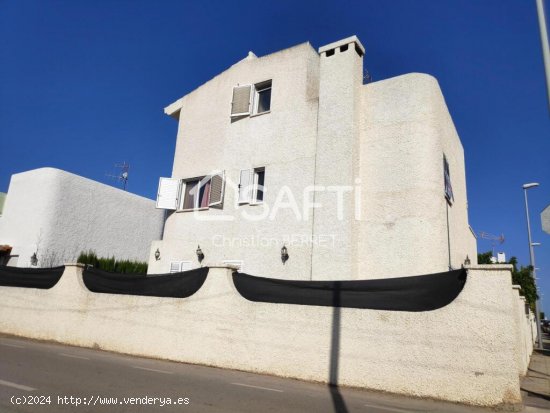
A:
[264,100]
[260,187]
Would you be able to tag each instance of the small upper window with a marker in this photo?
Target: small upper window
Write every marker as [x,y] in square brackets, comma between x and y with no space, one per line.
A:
[262,97]
[251,100]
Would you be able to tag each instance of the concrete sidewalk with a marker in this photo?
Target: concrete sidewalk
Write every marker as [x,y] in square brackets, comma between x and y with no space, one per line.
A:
[535,386]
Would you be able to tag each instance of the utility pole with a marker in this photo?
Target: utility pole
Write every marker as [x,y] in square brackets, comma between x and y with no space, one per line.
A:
[533,265]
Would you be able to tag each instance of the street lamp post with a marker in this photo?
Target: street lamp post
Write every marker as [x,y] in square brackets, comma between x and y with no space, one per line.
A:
[532,257]
[544,42]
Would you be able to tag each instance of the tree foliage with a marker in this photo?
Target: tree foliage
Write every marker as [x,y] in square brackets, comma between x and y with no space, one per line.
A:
[484,258]
[522,277]
[112,264]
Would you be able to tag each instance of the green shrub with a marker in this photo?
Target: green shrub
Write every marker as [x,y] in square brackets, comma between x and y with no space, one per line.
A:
[111,264]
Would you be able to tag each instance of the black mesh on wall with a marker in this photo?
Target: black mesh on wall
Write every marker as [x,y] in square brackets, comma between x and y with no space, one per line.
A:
[417,293]
[43,278]
[175,285]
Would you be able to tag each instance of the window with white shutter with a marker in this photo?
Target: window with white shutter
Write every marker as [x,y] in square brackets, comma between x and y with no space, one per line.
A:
[217,186]
[191,194]
[203,192]
[240,106]
[168,193]
[245,186]
[251,99]
[252,186]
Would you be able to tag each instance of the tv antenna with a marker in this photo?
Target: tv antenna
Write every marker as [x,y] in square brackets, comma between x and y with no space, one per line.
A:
[493,238]
[367,78]
[123,175]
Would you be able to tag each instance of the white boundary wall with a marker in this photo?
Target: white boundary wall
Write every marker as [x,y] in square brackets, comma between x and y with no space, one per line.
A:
[524,334]
[465,352]
[58,215]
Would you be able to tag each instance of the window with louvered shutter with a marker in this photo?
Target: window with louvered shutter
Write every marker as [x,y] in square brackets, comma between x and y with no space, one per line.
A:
[217,184]
[240,106]
[168,193]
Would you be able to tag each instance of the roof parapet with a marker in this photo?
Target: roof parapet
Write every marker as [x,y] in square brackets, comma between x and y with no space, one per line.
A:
[173,109]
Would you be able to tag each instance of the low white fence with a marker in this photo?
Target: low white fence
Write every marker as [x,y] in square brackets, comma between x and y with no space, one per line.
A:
[471,351]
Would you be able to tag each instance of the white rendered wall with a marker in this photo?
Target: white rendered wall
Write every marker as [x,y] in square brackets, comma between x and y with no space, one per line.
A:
[28,213]
[337,162]
[524,344]
[59,214]
[464,352]
[282,141]
[326,129]
[405,130]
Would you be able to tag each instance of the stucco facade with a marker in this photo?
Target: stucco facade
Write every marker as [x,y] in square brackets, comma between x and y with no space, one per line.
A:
[56,215]
[354,175]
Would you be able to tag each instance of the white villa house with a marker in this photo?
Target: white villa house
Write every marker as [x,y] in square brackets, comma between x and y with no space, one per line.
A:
[50,216]
[289,166]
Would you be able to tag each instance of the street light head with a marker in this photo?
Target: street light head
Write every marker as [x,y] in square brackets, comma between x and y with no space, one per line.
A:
[535,244]
[530,185]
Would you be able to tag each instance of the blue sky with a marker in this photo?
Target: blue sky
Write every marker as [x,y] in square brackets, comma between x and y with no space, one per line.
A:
[84,84]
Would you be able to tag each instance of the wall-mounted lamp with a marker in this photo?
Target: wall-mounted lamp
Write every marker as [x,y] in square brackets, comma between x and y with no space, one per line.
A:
[284,255]
[34,260]
[157,254]
[467,260]
[200,255]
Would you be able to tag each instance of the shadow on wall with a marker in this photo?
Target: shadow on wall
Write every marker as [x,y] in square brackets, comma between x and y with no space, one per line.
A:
[337,399]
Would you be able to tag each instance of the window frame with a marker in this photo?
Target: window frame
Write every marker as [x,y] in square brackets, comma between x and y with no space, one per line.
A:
[202,181]
[171,194]
[184,184]
[254,196]
[251,197]
[258,88]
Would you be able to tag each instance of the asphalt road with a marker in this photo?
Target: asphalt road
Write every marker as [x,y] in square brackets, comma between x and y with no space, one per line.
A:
[48,375]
